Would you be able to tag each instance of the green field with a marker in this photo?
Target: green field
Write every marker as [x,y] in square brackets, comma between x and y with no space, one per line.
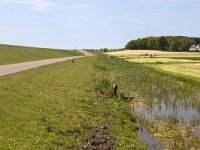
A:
[168,84]
[190,70]
[61,105]
[67,106]
[178,63]
[162,54]
[17,54]
[161,60]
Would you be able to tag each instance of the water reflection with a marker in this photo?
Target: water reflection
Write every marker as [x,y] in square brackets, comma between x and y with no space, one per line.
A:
[177,107]
[149,140]
[169,112]
[180,113]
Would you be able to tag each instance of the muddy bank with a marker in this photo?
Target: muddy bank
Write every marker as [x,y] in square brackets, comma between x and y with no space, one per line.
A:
[99,140]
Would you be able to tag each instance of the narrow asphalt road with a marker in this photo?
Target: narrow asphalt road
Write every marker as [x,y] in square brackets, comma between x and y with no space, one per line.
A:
[15,68]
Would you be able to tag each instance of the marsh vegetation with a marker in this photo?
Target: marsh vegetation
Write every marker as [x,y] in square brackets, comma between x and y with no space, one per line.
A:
[66,105]
[185,64]
[168,104]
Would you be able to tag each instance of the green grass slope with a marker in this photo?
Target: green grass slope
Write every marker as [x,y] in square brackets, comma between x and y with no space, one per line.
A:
[60,105]
[16,54]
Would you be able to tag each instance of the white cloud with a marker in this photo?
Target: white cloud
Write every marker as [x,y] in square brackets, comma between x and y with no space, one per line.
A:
[41,5]
[86,5]
[165,1]
[34,4]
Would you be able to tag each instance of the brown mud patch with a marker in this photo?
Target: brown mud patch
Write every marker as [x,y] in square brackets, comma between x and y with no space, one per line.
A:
[99,139]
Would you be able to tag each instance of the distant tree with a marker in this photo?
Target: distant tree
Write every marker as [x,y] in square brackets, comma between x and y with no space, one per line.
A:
[105,50]
[151,43]
[163,43]
[176,43]
[132,45]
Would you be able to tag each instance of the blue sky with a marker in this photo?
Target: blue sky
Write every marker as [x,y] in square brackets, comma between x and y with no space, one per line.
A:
[94,23]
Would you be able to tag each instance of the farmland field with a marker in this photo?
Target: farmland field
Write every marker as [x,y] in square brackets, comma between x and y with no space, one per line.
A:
[62,106]
[168,84]
[67,105]
[135,53]
[161,60]
[16,54]
[178,63]
[189,69]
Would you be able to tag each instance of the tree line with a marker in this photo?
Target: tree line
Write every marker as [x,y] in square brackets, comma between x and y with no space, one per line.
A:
[165,43]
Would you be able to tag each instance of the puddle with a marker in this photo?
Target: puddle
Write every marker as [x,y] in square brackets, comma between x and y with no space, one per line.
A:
[197,132]
[174,115]
[149,140]
[179,114]
[159,115]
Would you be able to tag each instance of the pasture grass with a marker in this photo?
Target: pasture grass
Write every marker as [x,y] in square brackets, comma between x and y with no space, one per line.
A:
[16,54]
[187,70]
[157,53]
[175,90]
[182,64]
[58,106]
[160,60]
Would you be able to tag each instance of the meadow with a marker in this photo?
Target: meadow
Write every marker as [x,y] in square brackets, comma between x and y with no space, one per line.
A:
[185,64]
[168,105]
[157,53]
[161,60]
[68,105]
[189,70]
[17,54]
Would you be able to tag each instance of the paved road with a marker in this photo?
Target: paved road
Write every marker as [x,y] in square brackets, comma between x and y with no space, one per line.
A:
[15,68]
[85,53]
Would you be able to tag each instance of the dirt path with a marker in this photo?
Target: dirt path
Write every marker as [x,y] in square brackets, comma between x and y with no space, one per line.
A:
[15,68]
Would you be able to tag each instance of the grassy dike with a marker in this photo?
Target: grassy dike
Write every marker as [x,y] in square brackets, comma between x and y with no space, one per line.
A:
[63,105]
[16,54]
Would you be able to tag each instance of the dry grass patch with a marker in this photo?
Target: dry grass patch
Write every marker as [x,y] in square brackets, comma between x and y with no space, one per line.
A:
[159,60]
[136,53]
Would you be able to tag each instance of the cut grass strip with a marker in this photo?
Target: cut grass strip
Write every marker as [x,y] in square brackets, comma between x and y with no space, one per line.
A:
[157,53]
[160,60]
[187,70]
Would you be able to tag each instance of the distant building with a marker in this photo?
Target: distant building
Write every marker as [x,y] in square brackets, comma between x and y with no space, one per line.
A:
[192,48]
[195,48]
[198,47]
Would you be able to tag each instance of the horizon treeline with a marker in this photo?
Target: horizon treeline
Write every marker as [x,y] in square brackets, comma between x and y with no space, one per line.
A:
[165,43]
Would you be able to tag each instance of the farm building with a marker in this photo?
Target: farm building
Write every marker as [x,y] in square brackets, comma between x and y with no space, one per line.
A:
[195,48]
